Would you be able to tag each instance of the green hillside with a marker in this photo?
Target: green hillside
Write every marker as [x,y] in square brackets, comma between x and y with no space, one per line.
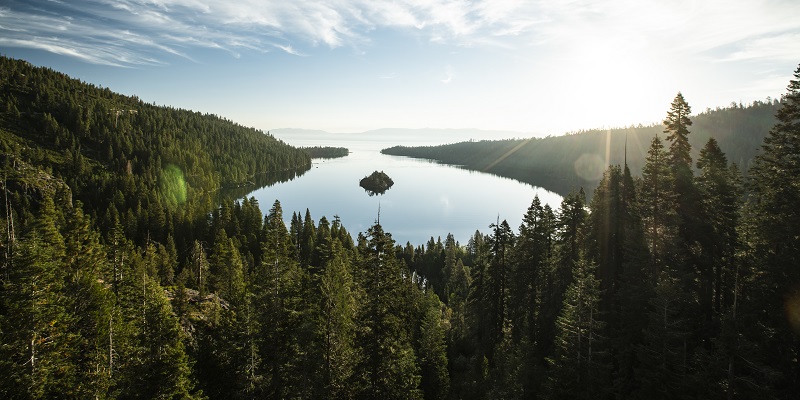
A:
[123,158]
[564,163]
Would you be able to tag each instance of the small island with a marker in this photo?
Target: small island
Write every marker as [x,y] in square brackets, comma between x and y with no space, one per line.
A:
[377,183]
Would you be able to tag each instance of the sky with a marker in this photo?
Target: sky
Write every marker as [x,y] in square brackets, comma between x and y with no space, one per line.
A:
[540,67]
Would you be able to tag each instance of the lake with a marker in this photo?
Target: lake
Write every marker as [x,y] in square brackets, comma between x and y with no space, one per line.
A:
[427,199]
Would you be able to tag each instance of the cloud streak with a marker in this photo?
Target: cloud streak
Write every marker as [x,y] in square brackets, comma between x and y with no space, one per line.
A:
[138,32]
[448,75]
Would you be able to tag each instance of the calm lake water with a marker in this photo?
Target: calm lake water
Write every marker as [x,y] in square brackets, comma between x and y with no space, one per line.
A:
[427,199]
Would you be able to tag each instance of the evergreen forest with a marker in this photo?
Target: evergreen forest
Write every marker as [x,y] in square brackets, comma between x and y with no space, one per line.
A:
[124,274]
[566,163]
[326,152]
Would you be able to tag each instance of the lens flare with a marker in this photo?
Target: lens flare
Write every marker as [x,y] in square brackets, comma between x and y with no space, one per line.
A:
[173,185]
[590,167]
[792,307]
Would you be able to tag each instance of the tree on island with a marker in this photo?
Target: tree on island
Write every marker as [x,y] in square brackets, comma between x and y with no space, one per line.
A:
[377,183]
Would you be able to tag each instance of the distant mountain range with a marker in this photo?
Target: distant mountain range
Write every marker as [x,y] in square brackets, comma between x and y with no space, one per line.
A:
[403,135]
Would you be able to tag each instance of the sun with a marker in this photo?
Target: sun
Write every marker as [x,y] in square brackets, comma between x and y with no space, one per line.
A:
[607,82]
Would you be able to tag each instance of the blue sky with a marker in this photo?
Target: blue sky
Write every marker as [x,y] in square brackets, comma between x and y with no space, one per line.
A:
[538,67]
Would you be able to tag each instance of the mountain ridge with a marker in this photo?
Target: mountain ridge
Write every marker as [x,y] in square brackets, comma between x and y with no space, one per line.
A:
[570,161]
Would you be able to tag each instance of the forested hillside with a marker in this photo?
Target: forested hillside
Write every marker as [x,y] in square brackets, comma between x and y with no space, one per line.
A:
[565,163]
[326,152]
[681,283]
[125,159]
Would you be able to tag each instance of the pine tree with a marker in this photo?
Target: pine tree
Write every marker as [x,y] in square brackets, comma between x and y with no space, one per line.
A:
[693,231]
[449,269]
[307,237]
[152,262]
[656,205]
[169,262]
[388,367]
[339,231]
[531,260]
[91,305]
[245,357]
[228,269]
[296,233]
[336,324]
[435,382]
[459,295]
[774,185]
[665,355]
[217,262]
[579,367]
[720,193]
[606,239]
[38,327]
[627,317]
[36,339]
[251,221]
[569,247]
[502,243]
[278,292]
[676,126]
[322,246]
[532,266]
[234,284]
[47,225]
[213,349]
[201,274]
[470,367]
[572,233]
[160,366]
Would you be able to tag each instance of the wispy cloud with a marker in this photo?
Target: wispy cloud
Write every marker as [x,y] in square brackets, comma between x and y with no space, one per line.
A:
[131,32]
[448,75]
[289,49]
[785,46]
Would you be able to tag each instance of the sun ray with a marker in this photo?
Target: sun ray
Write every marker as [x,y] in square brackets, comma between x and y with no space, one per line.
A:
[508,153]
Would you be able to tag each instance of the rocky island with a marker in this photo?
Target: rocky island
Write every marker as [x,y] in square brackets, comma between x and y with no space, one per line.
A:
[376,183]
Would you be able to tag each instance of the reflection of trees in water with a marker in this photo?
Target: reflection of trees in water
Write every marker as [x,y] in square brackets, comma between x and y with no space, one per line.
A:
[261,181]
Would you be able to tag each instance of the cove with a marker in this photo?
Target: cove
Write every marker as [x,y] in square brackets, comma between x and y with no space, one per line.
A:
[427,200]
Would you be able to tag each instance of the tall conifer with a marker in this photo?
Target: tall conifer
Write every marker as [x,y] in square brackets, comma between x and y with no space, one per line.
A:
[775,183]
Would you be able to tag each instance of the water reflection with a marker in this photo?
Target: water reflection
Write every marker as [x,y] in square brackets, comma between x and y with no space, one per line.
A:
[260,182]
[427,199]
